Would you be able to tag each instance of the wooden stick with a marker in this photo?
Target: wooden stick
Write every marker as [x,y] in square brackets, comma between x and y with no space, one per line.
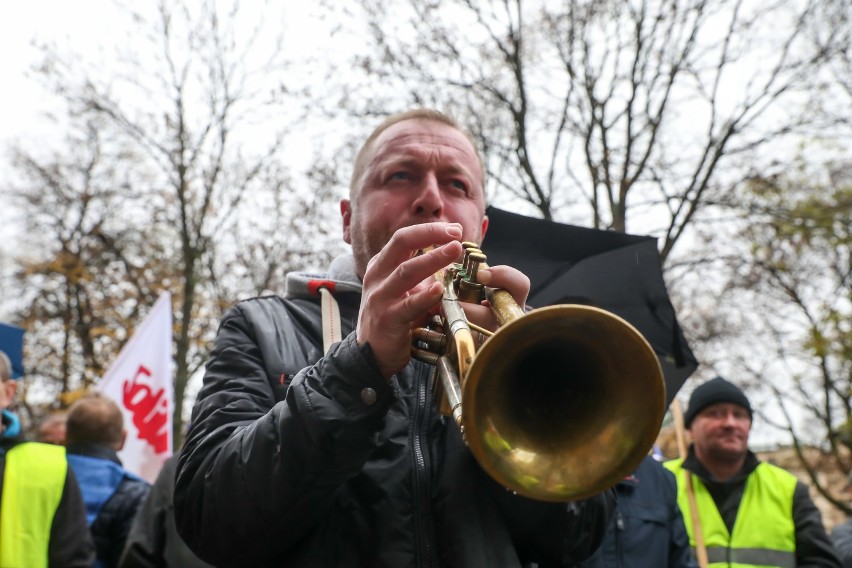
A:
[697,535]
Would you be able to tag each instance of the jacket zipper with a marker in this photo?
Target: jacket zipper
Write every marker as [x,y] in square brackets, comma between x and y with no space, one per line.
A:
[424,536]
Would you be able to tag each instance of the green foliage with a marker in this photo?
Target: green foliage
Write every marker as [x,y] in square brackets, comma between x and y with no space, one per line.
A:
[800,230]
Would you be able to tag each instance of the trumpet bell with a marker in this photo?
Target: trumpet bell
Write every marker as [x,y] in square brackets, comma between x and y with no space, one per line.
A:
[563,403]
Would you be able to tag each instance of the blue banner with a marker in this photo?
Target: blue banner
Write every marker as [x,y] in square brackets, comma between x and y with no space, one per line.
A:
[12,344]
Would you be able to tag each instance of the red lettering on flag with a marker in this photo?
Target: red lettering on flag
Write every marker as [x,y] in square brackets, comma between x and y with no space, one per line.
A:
[149,409]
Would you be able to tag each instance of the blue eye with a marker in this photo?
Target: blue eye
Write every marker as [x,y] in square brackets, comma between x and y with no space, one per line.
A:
[458,184]
[400,175]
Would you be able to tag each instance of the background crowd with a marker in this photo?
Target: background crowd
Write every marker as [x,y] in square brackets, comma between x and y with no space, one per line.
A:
[108,517]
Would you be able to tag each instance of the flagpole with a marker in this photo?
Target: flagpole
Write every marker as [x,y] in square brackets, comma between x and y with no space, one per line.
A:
[697,535]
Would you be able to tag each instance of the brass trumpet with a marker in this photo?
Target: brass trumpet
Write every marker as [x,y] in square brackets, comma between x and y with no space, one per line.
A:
[559,403]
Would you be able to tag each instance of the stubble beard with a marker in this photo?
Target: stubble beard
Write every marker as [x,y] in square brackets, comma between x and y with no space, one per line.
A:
[724,454]
[364,248]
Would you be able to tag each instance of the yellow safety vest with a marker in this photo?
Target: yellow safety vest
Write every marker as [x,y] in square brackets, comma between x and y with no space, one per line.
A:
[764,532]
[32,488]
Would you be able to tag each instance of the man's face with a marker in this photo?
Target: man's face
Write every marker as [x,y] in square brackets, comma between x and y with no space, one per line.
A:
[52,433]
[7,392]
[419,171]
[720,432]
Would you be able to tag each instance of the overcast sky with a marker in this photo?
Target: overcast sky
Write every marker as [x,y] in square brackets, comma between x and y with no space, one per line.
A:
[89,28]
[85,27]
[77,25]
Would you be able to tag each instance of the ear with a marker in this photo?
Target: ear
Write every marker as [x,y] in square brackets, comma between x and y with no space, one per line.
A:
[484,226]
[346,213]
[123,439]
[9,387]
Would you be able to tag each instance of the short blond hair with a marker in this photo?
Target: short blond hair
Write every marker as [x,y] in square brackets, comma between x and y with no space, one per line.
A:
[427,114]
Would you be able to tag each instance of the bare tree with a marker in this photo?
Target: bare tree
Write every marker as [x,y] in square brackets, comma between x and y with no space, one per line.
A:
[788,297]
[599,111]
[831,32]
[81,290]
[203,106]
[779,318]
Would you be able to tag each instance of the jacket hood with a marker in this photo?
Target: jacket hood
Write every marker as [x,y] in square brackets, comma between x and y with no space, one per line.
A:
[340,279]
[11,426]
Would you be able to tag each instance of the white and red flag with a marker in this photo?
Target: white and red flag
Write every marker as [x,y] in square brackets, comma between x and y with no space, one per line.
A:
[140,383]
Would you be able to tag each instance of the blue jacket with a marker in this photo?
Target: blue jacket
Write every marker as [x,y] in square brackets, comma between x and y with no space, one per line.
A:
[112,495]
[647,529]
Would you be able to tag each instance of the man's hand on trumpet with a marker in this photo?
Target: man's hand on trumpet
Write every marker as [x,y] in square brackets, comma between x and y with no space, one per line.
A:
[400,291]
[510,279]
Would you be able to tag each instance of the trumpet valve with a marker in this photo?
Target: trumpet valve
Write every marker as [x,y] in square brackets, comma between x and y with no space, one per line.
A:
[471,292]
[429,339]
[468,289]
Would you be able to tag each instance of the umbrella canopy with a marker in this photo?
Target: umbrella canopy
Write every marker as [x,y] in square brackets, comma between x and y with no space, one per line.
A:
[12,344]
[617,272]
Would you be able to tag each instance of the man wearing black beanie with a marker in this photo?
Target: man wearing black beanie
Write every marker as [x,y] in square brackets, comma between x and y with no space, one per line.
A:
[750,513]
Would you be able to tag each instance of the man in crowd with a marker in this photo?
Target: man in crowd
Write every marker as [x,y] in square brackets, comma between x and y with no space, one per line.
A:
[841,534]
[51,430]
[113,495]
[315,440]
[153,541]
[42,518]
[750,513]
[647,529]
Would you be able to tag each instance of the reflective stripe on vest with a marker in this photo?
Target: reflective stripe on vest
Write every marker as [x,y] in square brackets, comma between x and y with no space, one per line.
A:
[32,488]
[764,532]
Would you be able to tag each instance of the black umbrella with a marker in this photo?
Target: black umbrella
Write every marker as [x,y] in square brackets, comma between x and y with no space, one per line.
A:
[617,272]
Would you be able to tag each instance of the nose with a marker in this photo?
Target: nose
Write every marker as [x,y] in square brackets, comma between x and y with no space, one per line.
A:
[429,201]
[730,419]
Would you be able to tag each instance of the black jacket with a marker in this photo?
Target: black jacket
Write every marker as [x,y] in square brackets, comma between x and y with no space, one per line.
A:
[70,543]
[841,538]
[112,524]
[813,548]
[647,530]
[289,463]
[153,541]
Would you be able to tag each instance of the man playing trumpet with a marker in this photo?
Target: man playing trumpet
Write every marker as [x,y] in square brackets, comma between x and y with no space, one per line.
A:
[315,440]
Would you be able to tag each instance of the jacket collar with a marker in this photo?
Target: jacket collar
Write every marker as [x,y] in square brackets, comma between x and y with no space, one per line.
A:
[94,451]
[11,426]
[340,280]
[692,464]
